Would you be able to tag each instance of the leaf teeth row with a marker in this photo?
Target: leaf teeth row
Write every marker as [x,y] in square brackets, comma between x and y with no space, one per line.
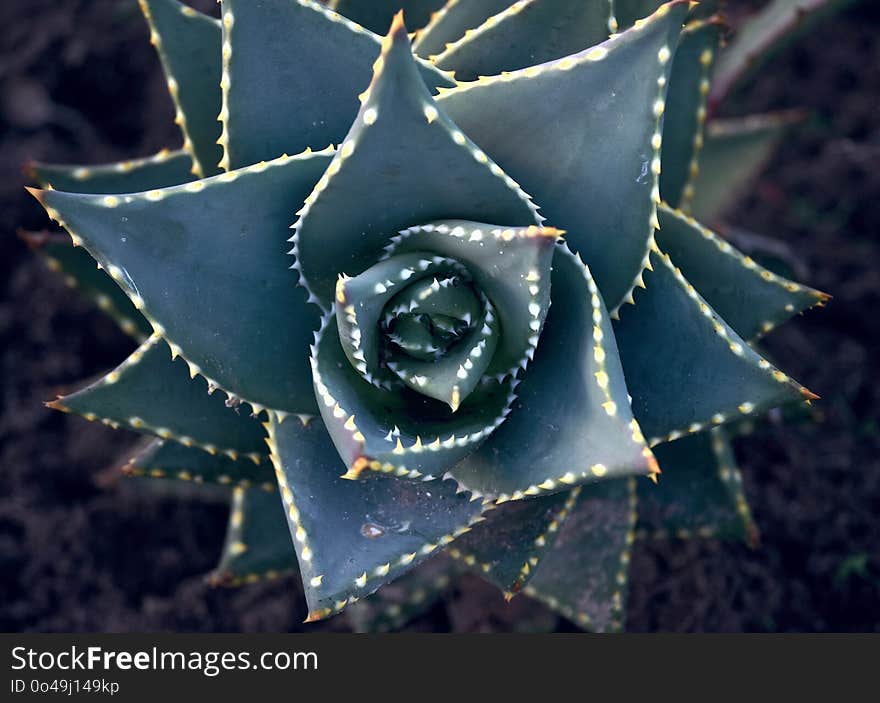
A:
[236,546]
[418,446]
[596,471]
[323,393]
[622,575]
[333,16]
[747,262]
[127,285]
[707,59]
[132,469]
[596,53]
[663,57]
[369,115]
[228,21]
[734,345]
[139,424]
[602,379]
[304,551]
[328,11]
[472,35]
[732,478]
[226,579]
[104,303]
[539,547]
[381,571]
[583,618]
[435,19]
[179,117]
[86,173]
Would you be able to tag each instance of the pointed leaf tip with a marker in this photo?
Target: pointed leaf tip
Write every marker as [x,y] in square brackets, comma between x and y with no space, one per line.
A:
[571,422]
[398,129]
[226,332]
[671,338]
[320,64]
[750,298]
[353,537]
[622,121]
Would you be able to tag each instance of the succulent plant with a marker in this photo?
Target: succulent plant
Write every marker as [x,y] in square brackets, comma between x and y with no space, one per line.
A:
[470,314]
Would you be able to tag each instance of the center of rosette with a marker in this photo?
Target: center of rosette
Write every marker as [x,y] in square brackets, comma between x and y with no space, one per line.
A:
[418,319]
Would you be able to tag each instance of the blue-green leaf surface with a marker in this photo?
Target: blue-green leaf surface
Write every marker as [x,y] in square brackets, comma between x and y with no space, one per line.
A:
[580,134]
[404,153]
[750,298]
[571,421]
[188,43]
[351,537]
[685,367]
[525,34]
[292,73]
[216,282]
[150,393]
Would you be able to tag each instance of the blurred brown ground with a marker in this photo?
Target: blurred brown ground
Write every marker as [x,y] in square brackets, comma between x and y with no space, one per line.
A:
[80,83]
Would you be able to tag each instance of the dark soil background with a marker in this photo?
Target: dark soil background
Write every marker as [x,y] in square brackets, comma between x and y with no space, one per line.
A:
[80,83]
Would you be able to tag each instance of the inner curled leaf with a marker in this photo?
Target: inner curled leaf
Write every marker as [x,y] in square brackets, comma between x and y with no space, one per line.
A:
[418,319]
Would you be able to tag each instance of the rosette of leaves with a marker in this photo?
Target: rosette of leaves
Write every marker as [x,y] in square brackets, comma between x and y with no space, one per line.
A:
[459,317]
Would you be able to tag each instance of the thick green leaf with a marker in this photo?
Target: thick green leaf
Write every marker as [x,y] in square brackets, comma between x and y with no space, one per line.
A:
[571,422]
[685,119]
[451,22]
[685,367]
[404,153]
[352,537]
[188,43]
[398,431]
[699,494]
[526,34]
[585,576]
[750,298]
[216,281]
[292,72]
[772,28]
[167,168]
[734,154]
[376,15]
[582,133]
[507,548]
[81,271]
[258,544]
[509,265]
[150,393]
[163,459]
[410,596]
